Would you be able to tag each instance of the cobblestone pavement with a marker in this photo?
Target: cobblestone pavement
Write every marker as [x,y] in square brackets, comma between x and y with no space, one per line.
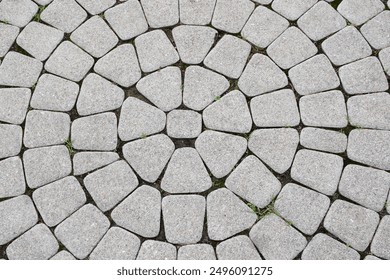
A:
[194,129]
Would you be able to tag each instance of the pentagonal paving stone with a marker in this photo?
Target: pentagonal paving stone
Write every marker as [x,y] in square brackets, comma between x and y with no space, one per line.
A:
[227,215]
[261,75]
[370,147]
[183,217]
[229,56]
[220,151]
[196,12]
[163,88]
[85,162]
[237,248]
[98,95]
[380,245]
[14,104]
[317,170]
[54,93]
[45,128]
[57,201]
[275,147]
[94,7]
[252,181]
[230,114]
[263,27]
[359,11]
[140,212]
[184,124]
[193,42]
[292,9]
[11,140]
[353,224]
[97,132]
[303,208]
[276,109]
[12,179]
[277,240]
[323,140]
[384,57]
[63,256]
[16,216]
[323,247]
[185,173]
[148,157]
[36,244]
[139,119]
[117,244]
[366,186]
[8,34]
[82,231]
[196,252]
[161,13]
[156,250]
[109,185]
[17,13]
[202,86]
[46,165]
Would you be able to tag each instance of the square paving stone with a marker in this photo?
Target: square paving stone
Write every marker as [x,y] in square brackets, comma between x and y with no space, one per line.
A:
[292,9]
[377,31]
[317,170]
[161,13]
[10,141]
[82,231]
[57,201]
[237,248]
[12,181]
[380,245]
[196,12]
[384,57]
[63,256]
[17,12]
[184,124]
[323,140]
[196,252]
[352,224]
[14,104]
[156,250]
[46,165]
[8,34]
[359,11]
[96,7]
[85,162]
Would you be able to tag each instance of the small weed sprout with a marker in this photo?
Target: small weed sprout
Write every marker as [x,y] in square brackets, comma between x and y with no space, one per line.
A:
[69,146]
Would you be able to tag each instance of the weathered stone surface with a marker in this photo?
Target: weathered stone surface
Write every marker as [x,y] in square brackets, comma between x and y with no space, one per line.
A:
[184,124]
[323,140]
[18,12]
[12,182]
[85,162]
[359,11]
[371,258]
[292,9]
[94,7]
[63,256]
[8,34]
[380,245]
[161,13]
[196,252]
[11,140]
[384,57]
[196,12]
[237,248]
[156,250]
[14,104]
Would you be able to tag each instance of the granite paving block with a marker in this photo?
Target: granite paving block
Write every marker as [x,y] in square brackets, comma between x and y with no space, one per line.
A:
[17,12]
[196,12]
[12,182]
[63,256]
[11,140]
[161,13]
[237,248]
[359,11]
[84,162]
[323,140]
[292,9]
[157,250]
[376,30]
[196,252]
[8,34]
[96,7]
[384,57]
[184,124]
[14,104]
[380,245]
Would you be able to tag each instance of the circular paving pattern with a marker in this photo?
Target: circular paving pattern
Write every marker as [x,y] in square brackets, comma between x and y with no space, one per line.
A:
[194,129]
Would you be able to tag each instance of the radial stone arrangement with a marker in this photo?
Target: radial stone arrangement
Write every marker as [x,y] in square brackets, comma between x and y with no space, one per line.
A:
[194,129]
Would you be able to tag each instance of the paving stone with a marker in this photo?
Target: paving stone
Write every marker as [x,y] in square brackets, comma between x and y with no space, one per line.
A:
[263,2]
[303,208]
[193,42]
[148,157]
[323,247]
[8,34]
[139,119]
[376,31]
[98,95]
[237,248]
[117,244]
[19,70]
[230,114]
[156,250]
[163,88]
[346,46]
[317,170]
[161,13]
[127,19]
[155,51]
[16,216]
[186,173]
[82,231]
[323,140]
[227,215]
[370,147]
[371,258]
[85,162]
[276,109]
[352,224]
[263,27]
[45,165]
[183,217]
[54,93]
[43,2]
[94,7]
[252,181]
[63,256]
[65,15]
[44,128]
[36,244]
[97,132]
[202,87]
[363,76]
[69,61]
[196,12]
[384,57]
[231,15]
[261,75]
[11,140]
[17,12]
[380,245]
[12,179]
[291,48]
[229,56]
[14,104]
[275,147]
[196,252]
[111,184]
[292,9]
[184,124]
[140,212]
[220,151]
[57,201]
[277,240]
[359,11]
